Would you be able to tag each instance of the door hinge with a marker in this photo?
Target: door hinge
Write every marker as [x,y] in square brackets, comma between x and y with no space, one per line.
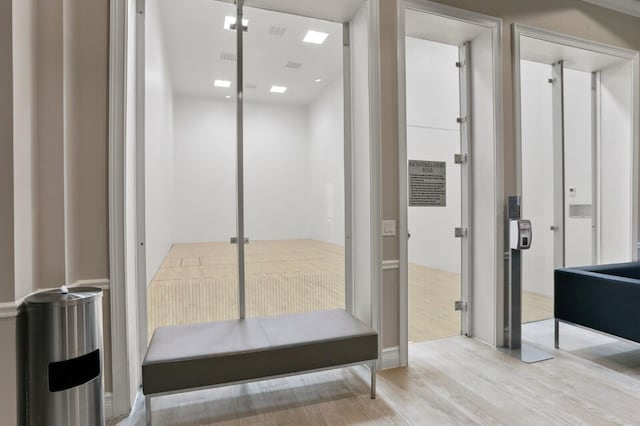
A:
[460,64]
[461,120]
[234,240]
[460,232]
[461,305]
[140,5]
[245,28]
[460,158]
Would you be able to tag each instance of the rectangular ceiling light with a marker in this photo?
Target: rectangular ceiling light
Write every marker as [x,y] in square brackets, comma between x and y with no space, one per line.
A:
[278,89]
[315,37]
[230,20]
[222,83]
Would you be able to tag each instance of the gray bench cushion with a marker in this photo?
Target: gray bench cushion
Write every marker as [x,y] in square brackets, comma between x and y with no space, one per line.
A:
[207,354]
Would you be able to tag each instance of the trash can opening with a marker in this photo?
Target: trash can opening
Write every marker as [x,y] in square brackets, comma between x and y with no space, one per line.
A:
[74,372]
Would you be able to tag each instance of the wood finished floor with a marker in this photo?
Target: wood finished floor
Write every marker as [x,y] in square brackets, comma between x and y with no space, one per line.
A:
[593,380]
[197,283]
[536,307]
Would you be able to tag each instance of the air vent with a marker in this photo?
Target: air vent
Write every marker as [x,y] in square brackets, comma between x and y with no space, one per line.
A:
[250,86]
[226,56]
[277,31]
[293,65]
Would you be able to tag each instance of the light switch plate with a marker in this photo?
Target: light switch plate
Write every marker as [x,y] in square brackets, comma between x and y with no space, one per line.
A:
[388,228]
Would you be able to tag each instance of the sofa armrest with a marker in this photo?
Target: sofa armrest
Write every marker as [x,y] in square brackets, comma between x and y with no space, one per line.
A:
[607,303]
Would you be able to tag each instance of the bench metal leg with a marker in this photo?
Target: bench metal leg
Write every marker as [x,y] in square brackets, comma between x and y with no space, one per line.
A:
[147,409]
[373,380]
[557,333]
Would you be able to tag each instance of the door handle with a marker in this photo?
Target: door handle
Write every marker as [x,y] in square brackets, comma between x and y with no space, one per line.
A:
[234,240]
[554,228]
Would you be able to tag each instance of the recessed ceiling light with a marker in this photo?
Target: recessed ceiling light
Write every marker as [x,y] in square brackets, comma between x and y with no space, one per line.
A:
[315,37]
[228,97]
[278,89]
[222,83]
[230,20]
[318,80]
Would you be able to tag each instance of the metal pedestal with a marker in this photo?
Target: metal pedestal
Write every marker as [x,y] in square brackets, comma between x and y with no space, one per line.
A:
[524,352]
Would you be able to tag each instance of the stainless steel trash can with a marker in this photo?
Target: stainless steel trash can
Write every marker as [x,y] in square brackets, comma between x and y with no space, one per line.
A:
[64,357]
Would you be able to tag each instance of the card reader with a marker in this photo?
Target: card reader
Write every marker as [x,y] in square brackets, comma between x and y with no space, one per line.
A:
[520,234]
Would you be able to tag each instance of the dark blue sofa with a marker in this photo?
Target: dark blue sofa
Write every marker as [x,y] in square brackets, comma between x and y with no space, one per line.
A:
[605,298]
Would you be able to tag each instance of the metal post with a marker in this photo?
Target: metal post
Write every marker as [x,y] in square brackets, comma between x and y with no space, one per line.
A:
[240,158]
[557,333]
[557,82]
[147,409]
[515,283]
[526,353]
[595,166]
[373,380]
[348,179]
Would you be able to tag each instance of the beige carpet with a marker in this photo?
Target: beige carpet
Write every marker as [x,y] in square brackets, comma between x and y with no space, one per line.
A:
[197,282]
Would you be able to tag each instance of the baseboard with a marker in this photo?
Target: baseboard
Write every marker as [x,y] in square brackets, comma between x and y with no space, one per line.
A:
[13,308]
[108,405]
[102,283]
[390,264]
[391,357]
[10,309]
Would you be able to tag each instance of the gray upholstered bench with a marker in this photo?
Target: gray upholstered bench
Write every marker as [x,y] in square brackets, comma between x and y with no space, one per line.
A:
[196,356]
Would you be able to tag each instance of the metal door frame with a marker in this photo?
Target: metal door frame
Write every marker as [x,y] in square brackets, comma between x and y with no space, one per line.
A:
[466,190]
[558,227]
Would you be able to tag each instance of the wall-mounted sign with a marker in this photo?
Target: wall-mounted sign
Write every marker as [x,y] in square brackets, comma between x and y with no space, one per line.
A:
[427,183]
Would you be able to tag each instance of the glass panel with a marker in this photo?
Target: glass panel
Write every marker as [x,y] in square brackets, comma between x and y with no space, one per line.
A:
[537,190]
[294,164]
[190,162]
[435,198]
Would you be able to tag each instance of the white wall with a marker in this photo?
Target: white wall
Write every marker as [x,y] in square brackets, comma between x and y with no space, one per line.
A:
[578,168]
[275,164]
[433,104]
[158,144]
[24,147]
[325,203]
[615,164]
[537,175]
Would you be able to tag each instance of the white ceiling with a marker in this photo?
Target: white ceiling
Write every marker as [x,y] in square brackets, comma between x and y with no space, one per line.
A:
[198,50]
[432,27]
[629,7]
[329,10]
[532,49]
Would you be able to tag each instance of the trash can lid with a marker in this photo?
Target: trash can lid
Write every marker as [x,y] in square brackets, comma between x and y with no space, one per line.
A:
[74,296]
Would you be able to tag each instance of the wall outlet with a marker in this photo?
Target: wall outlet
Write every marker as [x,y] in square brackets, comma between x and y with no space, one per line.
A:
[388,228]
